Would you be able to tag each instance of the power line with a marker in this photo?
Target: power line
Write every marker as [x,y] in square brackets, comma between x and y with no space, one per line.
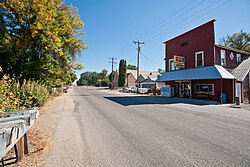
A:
[158,65]
[158,25]
[131,59]
[180,26]
[162,24]
[125,50]
[174,27]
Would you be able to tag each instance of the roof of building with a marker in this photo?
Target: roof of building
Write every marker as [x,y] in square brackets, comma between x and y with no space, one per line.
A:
[209,72]
[145,74]
[232,49]
[133,72]
[151,75]
[242,70]
[148,81]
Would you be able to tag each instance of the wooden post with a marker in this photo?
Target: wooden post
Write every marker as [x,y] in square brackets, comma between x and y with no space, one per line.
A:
[20,149]
[26,144]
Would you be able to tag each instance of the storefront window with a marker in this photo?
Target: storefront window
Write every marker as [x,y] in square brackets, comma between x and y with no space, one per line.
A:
[204,89]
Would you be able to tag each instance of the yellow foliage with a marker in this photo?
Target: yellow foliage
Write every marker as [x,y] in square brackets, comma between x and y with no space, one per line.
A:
[51,26]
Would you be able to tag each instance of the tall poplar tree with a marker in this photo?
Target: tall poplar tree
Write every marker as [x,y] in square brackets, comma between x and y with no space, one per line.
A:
[122,73]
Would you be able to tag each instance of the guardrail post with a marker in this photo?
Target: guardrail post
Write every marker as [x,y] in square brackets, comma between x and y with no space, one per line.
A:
[14,128]
[26,144]
[20,149]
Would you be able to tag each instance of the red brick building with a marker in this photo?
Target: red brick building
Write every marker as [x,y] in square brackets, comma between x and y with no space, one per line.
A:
[187,58]
[131,78]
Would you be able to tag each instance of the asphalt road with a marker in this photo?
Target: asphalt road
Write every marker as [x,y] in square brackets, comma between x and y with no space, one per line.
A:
[115,130]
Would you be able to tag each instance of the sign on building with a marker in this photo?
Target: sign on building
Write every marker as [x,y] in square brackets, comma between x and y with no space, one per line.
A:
[179,62]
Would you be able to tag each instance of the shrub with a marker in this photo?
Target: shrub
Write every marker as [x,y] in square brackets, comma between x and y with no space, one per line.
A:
[31,93]
[105,82]
[15,95]
[8,100]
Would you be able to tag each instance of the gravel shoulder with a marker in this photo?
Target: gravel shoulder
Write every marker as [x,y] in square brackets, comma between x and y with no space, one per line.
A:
[68,148]
[41,135]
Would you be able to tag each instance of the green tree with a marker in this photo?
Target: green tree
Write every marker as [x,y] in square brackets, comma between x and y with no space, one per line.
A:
[103,74]
[122,73]
[105,82]
[88,79]
[110,76]
[239,40]
[131,67]
[39,39]
[160,71]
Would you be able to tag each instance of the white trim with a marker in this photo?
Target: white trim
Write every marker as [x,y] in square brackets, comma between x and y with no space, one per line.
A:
[202,54]
[214,55]
[225,59]
[238,88]
[212,93]
[231,56]
[238,58]
[169,65]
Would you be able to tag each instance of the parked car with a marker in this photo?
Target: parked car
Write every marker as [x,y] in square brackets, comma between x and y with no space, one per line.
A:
[143,90]
[130,89]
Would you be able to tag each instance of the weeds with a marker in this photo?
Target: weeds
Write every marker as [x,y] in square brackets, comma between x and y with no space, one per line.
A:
[16,96]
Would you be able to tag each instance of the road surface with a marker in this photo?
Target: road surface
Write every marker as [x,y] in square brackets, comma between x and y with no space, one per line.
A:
[100,129]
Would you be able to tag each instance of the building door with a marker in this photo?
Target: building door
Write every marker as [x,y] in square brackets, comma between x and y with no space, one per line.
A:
[238,91]
[175,90]
[185,88]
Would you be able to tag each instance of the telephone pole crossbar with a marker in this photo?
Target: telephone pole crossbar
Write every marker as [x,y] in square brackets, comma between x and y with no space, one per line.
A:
[138,43]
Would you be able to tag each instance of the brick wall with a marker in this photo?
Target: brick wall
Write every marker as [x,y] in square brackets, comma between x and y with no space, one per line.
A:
[130,80]
[230,63]
[187,44]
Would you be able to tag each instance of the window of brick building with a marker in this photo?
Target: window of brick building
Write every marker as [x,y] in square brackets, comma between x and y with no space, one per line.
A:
[171,65]
[238,58]
[199,59]
[204,89]
[223,57]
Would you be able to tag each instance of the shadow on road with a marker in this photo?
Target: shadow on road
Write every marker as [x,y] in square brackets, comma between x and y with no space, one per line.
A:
[144,100]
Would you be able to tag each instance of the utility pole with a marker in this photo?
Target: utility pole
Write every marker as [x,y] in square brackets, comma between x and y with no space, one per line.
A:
[138,62]
[112,66]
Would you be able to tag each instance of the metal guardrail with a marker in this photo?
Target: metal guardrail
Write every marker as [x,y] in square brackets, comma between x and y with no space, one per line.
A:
[13,132]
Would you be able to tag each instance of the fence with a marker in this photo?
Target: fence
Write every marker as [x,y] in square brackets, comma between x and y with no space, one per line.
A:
[13,133]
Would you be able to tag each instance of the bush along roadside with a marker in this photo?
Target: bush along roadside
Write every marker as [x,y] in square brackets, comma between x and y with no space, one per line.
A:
[15,95]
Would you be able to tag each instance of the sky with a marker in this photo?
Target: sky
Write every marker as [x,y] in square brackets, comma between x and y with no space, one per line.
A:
[111,26]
